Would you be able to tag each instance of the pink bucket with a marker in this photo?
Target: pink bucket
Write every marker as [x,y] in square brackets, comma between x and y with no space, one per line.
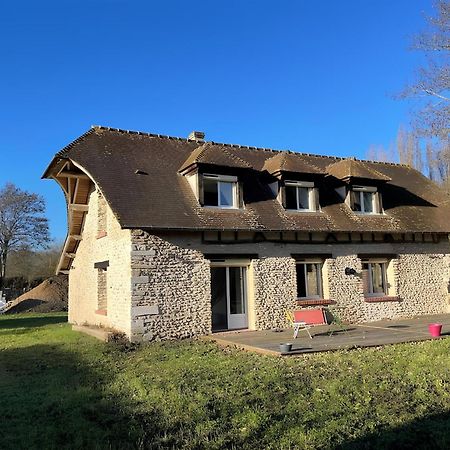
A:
[435,329]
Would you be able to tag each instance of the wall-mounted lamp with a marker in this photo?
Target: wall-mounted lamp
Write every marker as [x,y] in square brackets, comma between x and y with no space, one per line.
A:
[350,271]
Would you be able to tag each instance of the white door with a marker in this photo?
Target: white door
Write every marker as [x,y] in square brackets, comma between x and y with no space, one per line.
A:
[236,297]
[229,298]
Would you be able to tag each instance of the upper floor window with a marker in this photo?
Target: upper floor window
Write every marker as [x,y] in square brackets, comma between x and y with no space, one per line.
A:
[300,196]
[365,200]
[309,279]
[220,191]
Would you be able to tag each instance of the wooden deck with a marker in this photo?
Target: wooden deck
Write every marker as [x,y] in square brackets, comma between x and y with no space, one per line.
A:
[370,334]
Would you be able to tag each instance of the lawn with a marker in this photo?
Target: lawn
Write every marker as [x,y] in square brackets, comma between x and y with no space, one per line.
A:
[61,389]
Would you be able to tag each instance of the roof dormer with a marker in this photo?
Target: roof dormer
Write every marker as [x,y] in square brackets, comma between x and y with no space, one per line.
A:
[290,165]
[359,185]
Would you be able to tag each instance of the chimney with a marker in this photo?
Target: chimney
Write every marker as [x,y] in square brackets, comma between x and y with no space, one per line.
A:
[198,136]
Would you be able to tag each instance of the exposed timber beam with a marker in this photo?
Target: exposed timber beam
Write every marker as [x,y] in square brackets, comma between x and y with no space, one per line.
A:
[76,237]
[71,174]
[75,190]
[65,272]
[70,255]
[78,207]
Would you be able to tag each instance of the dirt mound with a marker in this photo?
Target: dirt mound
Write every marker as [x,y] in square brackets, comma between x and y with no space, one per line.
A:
[50,295]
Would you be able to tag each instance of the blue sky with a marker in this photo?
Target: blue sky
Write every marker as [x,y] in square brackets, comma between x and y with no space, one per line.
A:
[304,75]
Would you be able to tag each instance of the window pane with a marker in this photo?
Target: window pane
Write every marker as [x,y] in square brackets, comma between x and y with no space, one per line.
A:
[368,201]
[378,278]
[291,197]
[226,193]
[355,200]
[312,280]
[237,304]
[303,198]
[301,281]
[366,279]
[210,197]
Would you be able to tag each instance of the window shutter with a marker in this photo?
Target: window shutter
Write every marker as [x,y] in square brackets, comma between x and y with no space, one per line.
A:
[201,197]
[352,198]
[378,203]
[316,204]
[240,194]
[283,196]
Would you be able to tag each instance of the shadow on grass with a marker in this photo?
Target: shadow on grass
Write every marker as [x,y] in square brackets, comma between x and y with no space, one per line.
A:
[32,321]
[52,398]
[431,432]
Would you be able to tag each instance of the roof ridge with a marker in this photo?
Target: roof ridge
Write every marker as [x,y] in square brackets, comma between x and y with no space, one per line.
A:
[245,147]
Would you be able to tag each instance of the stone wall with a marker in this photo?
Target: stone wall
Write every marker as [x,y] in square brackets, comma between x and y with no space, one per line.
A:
[418,278]
[158,286]
[274,291]
[114,246]
[171,296]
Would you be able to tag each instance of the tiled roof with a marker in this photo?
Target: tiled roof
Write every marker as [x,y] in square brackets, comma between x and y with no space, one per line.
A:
[352,168]
[290,162]
[159,197]
[216,155]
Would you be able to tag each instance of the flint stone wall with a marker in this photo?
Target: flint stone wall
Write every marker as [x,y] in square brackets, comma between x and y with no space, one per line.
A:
[170,290]
[274,284]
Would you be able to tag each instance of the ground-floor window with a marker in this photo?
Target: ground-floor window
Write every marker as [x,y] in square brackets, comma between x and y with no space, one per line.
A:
[309,279]
[374,276]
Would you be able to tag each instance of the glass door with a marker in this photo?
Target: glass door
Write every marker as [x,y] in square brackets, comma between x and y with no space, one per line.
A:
[229,298]
[237,302]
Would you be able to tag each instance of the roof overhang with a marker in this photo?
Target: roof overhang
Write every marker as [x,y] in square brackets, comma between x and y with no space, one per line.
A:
[76,185]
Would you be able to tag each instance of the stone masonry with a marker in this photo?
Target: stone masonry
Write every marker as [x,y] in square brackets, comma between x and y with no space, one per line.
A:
[158,287]
[113,246]
[171,295]
[275,290]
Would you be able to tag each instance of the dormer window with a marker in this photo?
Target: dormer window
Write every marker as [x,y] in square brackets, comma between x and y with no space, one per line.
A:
[220,191]
[300,196]
[365,200]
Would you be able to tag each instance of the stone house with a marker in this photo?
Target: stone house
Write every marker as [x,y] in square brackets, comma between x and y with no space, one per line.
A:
[171,237]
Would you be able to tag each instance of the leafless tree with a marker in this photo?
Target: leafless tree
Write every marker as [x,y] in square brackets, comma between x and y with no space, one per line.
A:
[431,87]
[23,224]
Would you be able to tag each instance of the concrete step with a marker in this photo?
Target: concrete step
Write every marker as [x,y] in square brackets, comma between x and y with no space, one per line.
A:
[100,333]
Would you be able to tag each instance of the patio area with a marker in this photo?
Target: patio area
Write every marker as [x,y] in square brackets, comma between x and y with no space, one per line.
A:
[332,337]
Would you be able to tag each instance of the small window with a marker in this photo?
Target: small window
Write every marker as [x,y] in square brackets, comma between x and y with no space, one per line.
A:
[374,276]
[309,280]
[300,196]
[220,191]
[365,200]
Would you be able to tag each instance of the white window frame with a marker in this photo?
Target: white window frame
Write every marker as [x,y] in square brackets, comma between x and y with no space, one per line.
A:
[313,207]
[385,263]
[316,262]
[375,205]
[225,179]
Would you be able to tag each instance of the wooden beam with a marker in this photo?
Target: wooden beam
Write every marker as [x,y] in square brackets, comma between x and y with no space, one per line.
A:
[65,272]
[75,190]
[70,255]
[71,174]
[62,168]
[78,207]
[76,237]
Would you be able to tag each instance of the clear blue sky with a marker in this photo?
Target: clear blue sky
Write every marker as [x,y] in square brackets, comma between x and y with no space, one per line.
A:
[313,76]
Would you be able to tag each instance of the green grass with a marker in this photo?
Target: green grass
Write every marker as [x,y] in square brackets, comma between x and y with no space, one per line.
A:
[61,389]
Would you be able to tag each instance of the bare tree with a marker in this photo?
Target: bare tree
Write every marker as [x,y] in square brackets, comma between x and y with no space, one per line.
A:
[22,223]
[432,85]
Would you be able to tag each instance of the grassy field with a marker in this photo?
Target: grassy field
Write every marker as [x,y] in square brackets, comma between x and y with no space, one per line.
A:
[60,389]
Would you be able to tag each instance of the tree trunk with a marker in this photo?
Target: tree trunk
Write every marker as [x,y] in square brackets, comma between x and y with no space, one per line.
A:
[3,256]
